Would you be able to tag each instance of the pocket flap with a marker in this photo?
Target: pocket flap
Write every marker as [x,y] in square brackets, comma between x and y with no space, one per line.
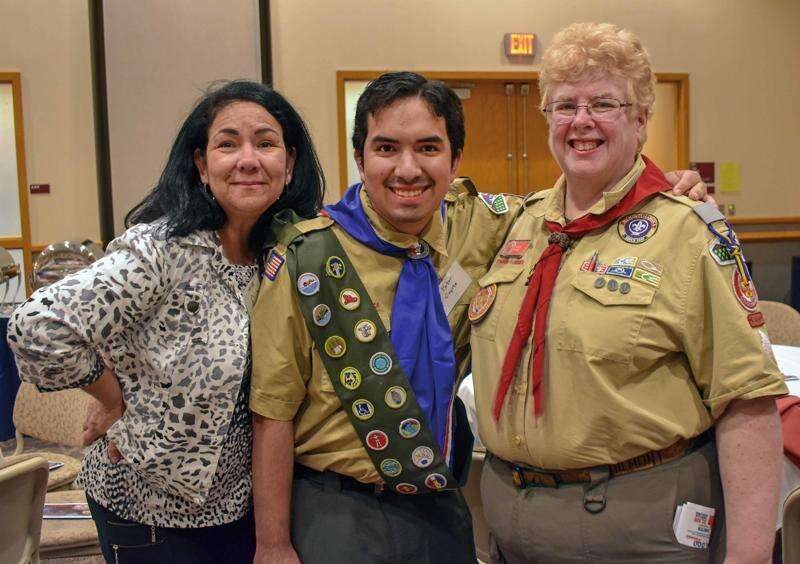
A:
[501,274]
[639,294]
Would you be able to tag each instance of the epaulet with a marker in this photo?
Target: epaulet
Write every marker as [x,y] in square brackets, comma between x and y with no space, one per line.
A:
[534,197]
[289,231]
[460,184]
[680,199]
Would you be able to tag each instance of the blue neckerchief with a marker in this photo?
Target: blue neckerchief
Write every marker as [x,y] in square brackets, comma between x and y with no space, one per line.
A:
[420,332]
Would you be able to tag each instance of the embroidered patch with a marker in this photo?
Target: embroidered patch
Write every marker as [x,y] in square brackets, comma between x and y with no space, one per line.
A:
[721,254]
[405,488]
[495,202]
[335,346]
[334,267]
[745,292]
[436,481]
[350,378]
[409,428]
[391,467]
[646,277]
[274,264]
[637,228]
[515,248]
[755,319]
[617,270]
[653,267]
[422,456]
[365,331]
[625,261]
[377,440]
[599,268]
[349,299]
[395,397]
[321,314]
[363,409]
[380,363]
[308,284]
[481,303]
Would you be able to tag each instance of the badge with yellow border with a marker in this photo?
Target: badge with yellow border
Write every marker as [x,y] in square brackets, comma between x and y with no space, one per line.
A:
[481,303]
[335,346]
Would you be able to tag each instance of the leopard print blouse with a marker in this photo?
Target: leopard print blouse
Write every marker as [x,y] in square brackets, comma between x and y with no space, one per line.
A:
[170,316]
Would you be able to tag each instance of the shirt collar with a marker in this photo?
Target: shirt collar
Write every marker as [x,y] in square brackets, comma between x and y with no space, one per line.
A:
[433,234]
[610,198]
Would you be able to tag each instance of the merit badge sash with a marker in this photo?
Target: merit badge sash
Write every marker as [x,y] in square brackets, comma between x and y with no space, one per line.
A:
[358,355]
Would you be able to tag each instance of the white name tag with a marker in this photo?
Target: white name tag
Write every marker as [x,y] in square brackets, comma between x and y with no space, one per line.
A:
[453,286]
[693,523]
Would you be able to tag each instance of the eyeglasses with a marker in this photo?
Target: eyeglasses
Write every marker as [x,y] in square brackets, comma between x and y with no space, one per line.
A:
[601,109]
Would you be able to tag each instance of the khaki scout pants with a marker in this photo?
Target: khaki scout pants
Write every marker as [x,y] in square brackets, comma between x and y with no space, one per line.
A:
[336,521]
[547,525]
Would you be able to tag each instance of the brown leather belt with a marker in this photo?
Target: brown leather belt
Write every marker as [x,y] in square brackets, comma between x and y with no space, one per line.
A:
[525,477]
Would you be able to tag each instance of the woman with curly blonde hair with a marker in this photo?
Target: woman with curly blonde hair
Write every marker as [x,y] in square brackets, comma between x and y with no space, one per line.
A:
[619,375]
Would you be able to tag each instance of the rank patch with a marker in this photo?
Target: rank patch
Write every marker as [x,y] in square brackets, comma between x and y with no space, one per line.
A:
[380,363]
[409,428]
[745,291]
[365,330]
[308,284]
[623,271]
[422,456]
[321,314]
[334,267]
[363,409]
[755,319]
[405,488]
[721,253]
[335,346]
[391,467]
[481,303]
[274,264]
[647,277]
[495,202]
[637,228]
[515,248]
[349,299]
[395,397]
[651,267]
[350,378]
[377,440]
[436,481]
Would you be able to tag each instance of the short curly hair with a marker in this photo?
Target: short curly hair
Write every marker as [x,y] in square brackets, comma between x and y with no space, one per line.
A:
[581,49]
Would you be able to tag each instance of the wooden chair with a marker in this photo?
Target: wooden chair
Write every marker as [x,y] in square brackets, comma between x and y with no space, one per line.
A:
[23,484]
[791,527]
[783,323]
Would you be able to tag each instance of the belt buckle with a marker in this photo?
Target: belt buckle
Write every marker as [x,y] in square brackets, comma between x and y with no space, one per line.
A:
[518,477]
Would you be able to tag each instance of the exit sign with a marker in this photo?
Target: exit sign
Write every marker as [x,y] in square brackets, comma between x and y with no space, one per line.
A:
[519,44]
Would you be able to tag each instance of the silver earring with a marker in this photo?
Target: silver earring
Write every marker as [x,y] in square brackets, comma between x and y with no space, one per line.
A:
[209,193]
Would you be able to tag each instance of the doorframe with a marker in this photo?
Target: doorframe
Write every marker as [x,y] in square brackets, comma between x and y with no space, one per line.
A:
[681,116]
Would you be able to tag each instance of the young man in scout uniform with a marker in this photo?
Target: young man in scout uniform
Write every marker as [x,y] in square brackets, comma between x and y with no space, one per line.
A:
[359,335]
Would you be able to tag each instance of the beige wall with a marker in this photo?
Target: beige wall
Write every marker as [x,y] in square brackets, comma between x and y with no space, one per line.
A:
[743,58]
[160,57]
[47,42]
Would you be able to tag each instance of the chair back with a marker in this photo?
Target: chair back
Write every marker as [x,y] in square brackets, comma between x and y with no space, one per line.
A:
[783,323]
[791,527]
[55,417]
[23,484]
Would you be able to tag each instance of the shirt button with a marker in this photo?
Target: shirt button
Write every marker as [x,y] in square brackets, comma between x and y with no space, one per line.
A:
[517,440]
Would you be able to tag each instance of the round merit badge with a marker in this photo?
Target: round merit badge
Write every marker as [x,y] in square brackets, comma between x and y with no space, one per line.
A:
[391,467]
[363,409]
[308,284]
[365,330]
[422,456]
[395,397]
[637,228]
[435,481]
[335,346]
[745,291]
[481,303]
[350,378]
[349,299]
[321,315]
[409,428]
[405,488]
[380,363]
[334,267]
[377,440]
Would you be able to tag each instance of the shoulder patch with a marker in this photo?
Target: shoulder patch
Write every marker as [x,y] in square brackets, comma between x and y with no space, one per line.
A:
[274,263]
[496,203]
[309,225]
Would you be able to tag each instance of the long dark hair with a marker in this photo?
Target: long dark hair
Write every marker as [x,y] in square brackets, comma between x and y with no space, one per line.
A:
[180,198]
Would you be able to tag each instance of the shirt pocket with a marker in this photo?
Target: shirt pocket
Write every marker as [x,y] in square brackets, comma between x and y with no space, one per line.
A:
[603,323]
[507,279]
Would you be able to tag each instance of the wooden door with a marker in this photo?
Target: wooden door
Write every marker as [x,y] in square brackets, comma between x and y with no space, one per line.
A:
[538,168]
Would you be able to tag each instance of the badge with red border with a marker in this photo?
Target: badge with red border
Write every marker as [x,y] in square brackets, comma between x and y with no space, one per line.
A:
[745,291]
[405,488]
[481,303]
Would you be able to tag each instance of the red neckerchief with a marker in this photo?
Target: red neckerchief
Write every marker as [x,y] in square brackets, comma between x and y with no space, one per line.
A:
[543,279]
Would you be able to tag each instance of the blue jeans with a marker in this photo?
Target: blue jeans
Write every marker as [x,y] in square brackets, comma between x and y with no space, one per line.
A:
[124,541]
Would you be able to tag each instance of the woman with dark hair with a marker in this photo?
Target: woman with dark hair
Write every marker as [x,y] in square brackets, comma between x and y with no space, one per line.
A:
[158,332]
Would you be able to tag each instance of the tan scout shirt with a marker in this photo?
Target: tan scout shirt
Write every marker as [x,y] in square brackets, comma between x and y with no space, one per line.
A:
[624,373]
[289,380]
